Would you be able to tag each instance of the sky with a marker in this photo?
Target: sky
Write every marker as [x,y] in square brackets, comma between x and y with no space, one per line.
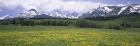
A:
[13,7]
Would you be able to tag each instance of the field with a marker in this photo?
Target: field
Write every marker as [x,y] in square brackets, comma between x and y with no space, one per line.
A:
[67,36]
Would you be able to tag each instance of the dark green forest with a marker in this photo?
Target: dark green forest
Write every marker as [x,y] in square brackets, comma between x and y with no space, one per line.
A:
[119,23]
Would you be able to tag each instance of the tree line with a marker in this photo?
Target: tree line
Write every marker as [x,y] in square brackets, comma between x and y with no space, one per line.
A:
[82,23]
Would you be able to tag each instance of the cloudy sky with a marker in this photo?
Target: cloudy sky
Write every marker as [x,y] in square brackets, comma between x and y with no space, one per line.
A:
[12,7]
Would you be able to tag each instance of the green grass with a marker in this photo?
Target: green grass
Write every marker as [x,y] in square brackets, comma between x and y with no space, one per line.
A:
[67,36]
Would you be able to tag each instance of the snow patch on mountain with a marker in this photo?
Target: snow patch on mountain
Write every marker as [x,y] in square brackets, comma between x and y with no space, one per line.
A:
[122,9]
[4,17]
[108,9]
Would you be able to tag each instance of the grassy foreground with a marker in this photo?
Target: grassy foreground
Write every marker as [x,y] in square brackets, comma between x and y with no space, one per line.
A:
[67,36]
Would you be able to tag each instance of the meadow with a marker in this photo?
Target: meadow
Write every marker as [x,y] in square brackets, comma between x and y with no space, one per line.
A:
[67,36]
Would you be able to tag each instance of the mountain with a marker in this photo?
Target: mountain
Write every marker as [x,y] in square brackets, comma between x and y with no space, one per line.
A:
[130,9]
[12,12]
[4,17]
[100,12]
[60,13]
[108,11]
[42,16]
[28,14]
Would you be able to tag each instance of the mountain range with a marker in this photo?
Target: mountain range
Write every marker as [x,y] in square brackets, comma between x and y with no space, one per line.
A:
[106,11]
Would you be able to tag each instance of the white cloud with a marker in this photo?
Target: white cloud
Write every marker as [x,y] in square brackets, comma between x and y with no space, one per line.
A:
[120,5]
[49,5]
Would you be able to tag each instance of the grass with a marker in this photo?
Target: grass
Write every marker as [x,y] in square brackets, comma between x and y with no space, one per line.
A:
[67,36]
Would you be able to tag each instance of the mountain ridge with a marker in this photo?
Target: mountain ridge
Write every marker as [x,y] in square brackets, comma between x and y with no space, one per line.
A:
[106,11]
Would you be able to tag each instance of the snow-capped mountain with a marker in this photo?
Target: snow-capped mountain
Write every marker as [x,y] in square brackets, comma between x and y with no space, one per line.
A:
[10,12]
[112,10]
[4,17]
[28,14]
[60,13]
[98,12]
[130,9]
[32,13]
